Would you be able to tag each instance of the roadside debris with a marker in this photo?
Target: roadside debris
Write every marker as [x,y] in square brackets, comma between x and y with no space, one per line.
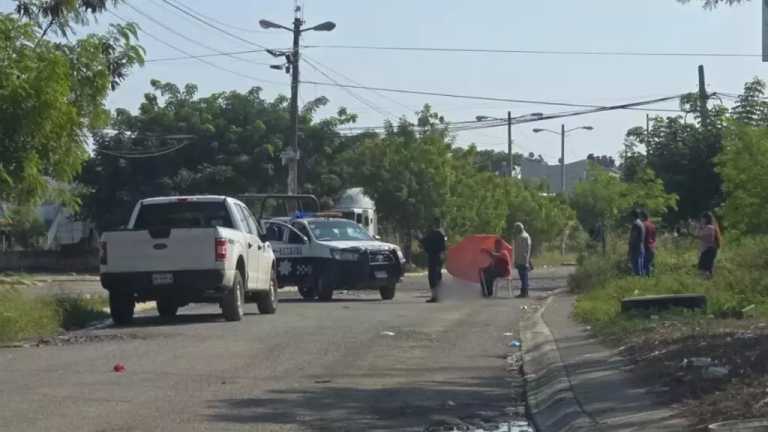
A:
[118,367]
[387,333]
[323,381]
[515,344]
[509,334]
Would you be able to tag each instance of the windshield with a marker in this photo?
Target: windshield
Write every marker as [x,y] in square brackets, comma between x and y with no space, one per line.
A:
[338,230]
[183,215]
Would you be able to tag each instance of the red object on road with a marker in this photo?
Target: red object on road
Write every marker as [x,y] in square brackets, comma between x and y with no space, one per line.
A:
[119,368]
[467,257]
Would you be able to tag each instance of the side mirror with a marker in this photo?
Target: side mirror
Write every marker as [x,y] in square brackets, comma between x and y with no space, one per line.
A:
[377,237]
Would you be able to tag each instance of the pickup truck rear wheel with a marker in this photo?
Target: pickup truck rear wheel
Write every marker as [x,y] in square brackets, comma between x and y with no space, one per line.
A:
[267,302]
[232,303]
[167,307]
[121,306]
[324,288]
[388,292]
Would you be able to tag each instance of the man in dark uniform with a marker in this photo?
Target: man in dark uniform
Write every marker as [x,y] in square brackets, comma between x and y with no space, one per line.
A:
[434,245]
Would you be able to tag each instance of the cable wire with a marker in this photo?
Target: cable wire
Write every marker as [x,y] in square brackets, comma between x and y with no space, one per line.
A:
[201,60]
[539,52]
[488,98]
[213,26]
[360,99]
[219,22]
[183,36]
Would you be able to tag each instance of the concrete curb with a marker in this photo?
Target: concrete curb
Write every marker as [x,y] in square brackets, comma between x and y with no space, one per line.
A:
[552,404]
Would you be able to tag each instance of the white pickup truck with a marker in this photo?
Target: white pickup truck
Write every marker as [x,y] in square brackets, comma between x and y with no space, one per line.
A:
[188,249]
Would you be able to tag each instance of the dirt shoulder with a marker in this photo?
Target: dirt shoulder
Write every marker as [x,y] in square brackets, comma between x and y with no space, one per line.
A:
[714,370]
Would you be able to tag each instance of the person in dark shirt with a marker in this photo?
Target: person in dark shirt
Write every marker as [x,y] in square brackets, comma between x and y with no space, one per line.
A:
[637,244]
[434,245]
[650,243]
[499,267]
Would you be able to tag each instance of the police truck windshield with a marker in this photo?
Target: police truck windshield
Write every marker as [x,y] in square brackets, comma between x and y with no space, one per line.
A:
[338,230]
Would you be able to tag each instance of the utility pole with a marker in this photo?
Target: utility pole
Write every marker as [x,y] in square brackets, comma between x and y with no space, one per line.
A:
[291,156]
[562,158]
[293,161]
[703,97]
[509,144]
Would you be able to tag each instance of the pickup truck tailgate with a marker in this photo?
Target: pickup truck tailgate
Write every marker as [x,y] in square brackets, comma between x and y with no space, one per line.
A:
[183,249]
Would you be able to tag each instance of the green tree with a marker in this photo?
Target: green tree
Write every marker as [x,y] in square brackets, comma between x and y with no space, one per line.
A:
[751,108]
[743,165]
[235,146]
[52,95]
[605,198]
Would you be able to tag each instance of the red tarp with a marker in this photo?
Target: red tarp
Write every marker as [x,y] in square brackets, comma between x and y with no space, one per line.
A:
[467,258]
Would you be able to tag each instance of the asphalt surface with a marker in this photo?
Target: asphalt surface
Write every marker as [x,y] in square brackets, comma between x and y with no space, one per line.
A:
[354,364]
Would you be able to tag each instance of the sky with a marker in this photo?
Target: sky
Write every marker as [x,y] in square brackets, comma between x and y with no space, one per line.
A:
[564,25]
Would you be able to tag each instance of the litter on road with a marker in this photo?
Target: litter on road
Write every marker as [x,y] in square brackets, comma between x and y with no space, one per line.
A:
[387,333]
[515,344]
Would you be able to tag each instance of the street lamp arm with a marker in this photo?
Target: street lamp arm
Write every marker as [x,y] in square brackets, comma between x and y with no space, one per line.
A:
[546,130]
[266,24]
[326,26]
[579,128]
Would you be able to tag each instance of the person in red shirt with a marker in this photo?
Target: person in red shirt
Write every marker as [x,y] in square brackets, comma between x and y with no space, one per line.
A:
[650,243]
[499,267]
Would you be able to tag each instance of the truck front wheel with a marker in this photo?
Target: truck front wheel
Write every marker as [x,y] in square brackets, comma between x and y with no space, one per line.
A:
[388,291]
[121,306]
[232,303]
[324,288]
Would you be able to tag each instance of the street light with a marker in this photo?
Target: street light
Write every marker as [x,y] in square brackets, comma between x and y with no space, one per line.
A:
[563,132]
[531,116]
[292,58]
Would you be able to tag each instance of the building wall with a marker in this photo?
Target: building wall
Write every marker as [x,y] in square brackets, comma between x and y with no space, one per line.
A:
[575,172]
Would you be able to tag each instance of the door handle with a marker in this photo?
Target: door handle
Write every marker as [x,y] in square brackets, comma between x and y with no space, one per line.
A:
[250,245]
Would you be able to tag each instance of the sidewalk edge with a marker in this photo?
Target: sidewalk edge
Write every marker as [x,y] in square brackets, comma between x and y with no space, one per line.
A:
[552,405]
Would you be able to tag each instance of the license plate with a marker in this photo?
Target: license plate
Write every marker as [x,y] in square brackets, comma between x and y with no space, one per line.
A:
[380,274]
[162,278]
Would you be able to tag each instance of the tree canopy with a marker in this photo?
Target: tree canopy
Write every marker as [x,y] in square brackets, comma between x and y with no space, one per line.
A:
[52,95]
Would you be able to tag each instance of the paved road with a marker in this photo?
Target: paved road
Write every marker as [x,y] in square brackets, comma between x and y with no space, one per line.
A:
[311,367]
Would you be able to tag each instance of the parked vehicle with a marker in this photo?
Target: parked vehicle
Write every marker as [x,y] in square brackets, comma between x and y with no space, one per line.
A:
[321,254]
[193,249]
[355,205]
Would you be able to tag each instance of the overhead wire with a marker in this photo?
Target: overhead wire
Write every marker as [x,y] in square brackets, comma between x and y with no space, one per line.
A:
[380,94]
[182,35]
[213,26]
[360,99]
[539,52]
[488,98]
[141,155]
[222,23]
[211,64]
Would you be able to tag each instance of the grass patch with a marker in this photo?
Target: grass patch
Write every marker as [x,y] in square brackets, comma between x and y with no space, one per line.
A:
[24,317]
[554,258]
[741,280]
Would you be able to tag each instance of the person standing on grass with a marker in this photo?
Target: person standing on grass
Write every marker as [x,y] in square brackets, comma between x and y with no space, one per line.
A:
[523,244]
[499,267]
[710,240]
[434,245]
[650,242]
[637,244]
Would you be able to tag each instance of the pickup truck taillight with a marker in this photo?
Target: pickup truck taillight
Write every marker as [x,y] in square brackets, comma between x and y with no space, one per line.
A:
[220,249]
[103,253]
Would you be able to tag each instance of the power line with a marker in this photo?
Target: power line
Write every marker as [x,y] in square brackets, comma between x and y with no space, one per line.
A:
[210,18]
[201,60]
[460,96]
[539,52]
[382,95]
[360,99]
[181,35]
[213,26]
[195,57]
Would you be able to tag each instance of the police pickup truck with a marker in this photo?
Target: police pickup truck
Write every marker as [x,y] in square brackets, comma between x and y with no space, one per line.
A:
[193,249]
[321,253]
